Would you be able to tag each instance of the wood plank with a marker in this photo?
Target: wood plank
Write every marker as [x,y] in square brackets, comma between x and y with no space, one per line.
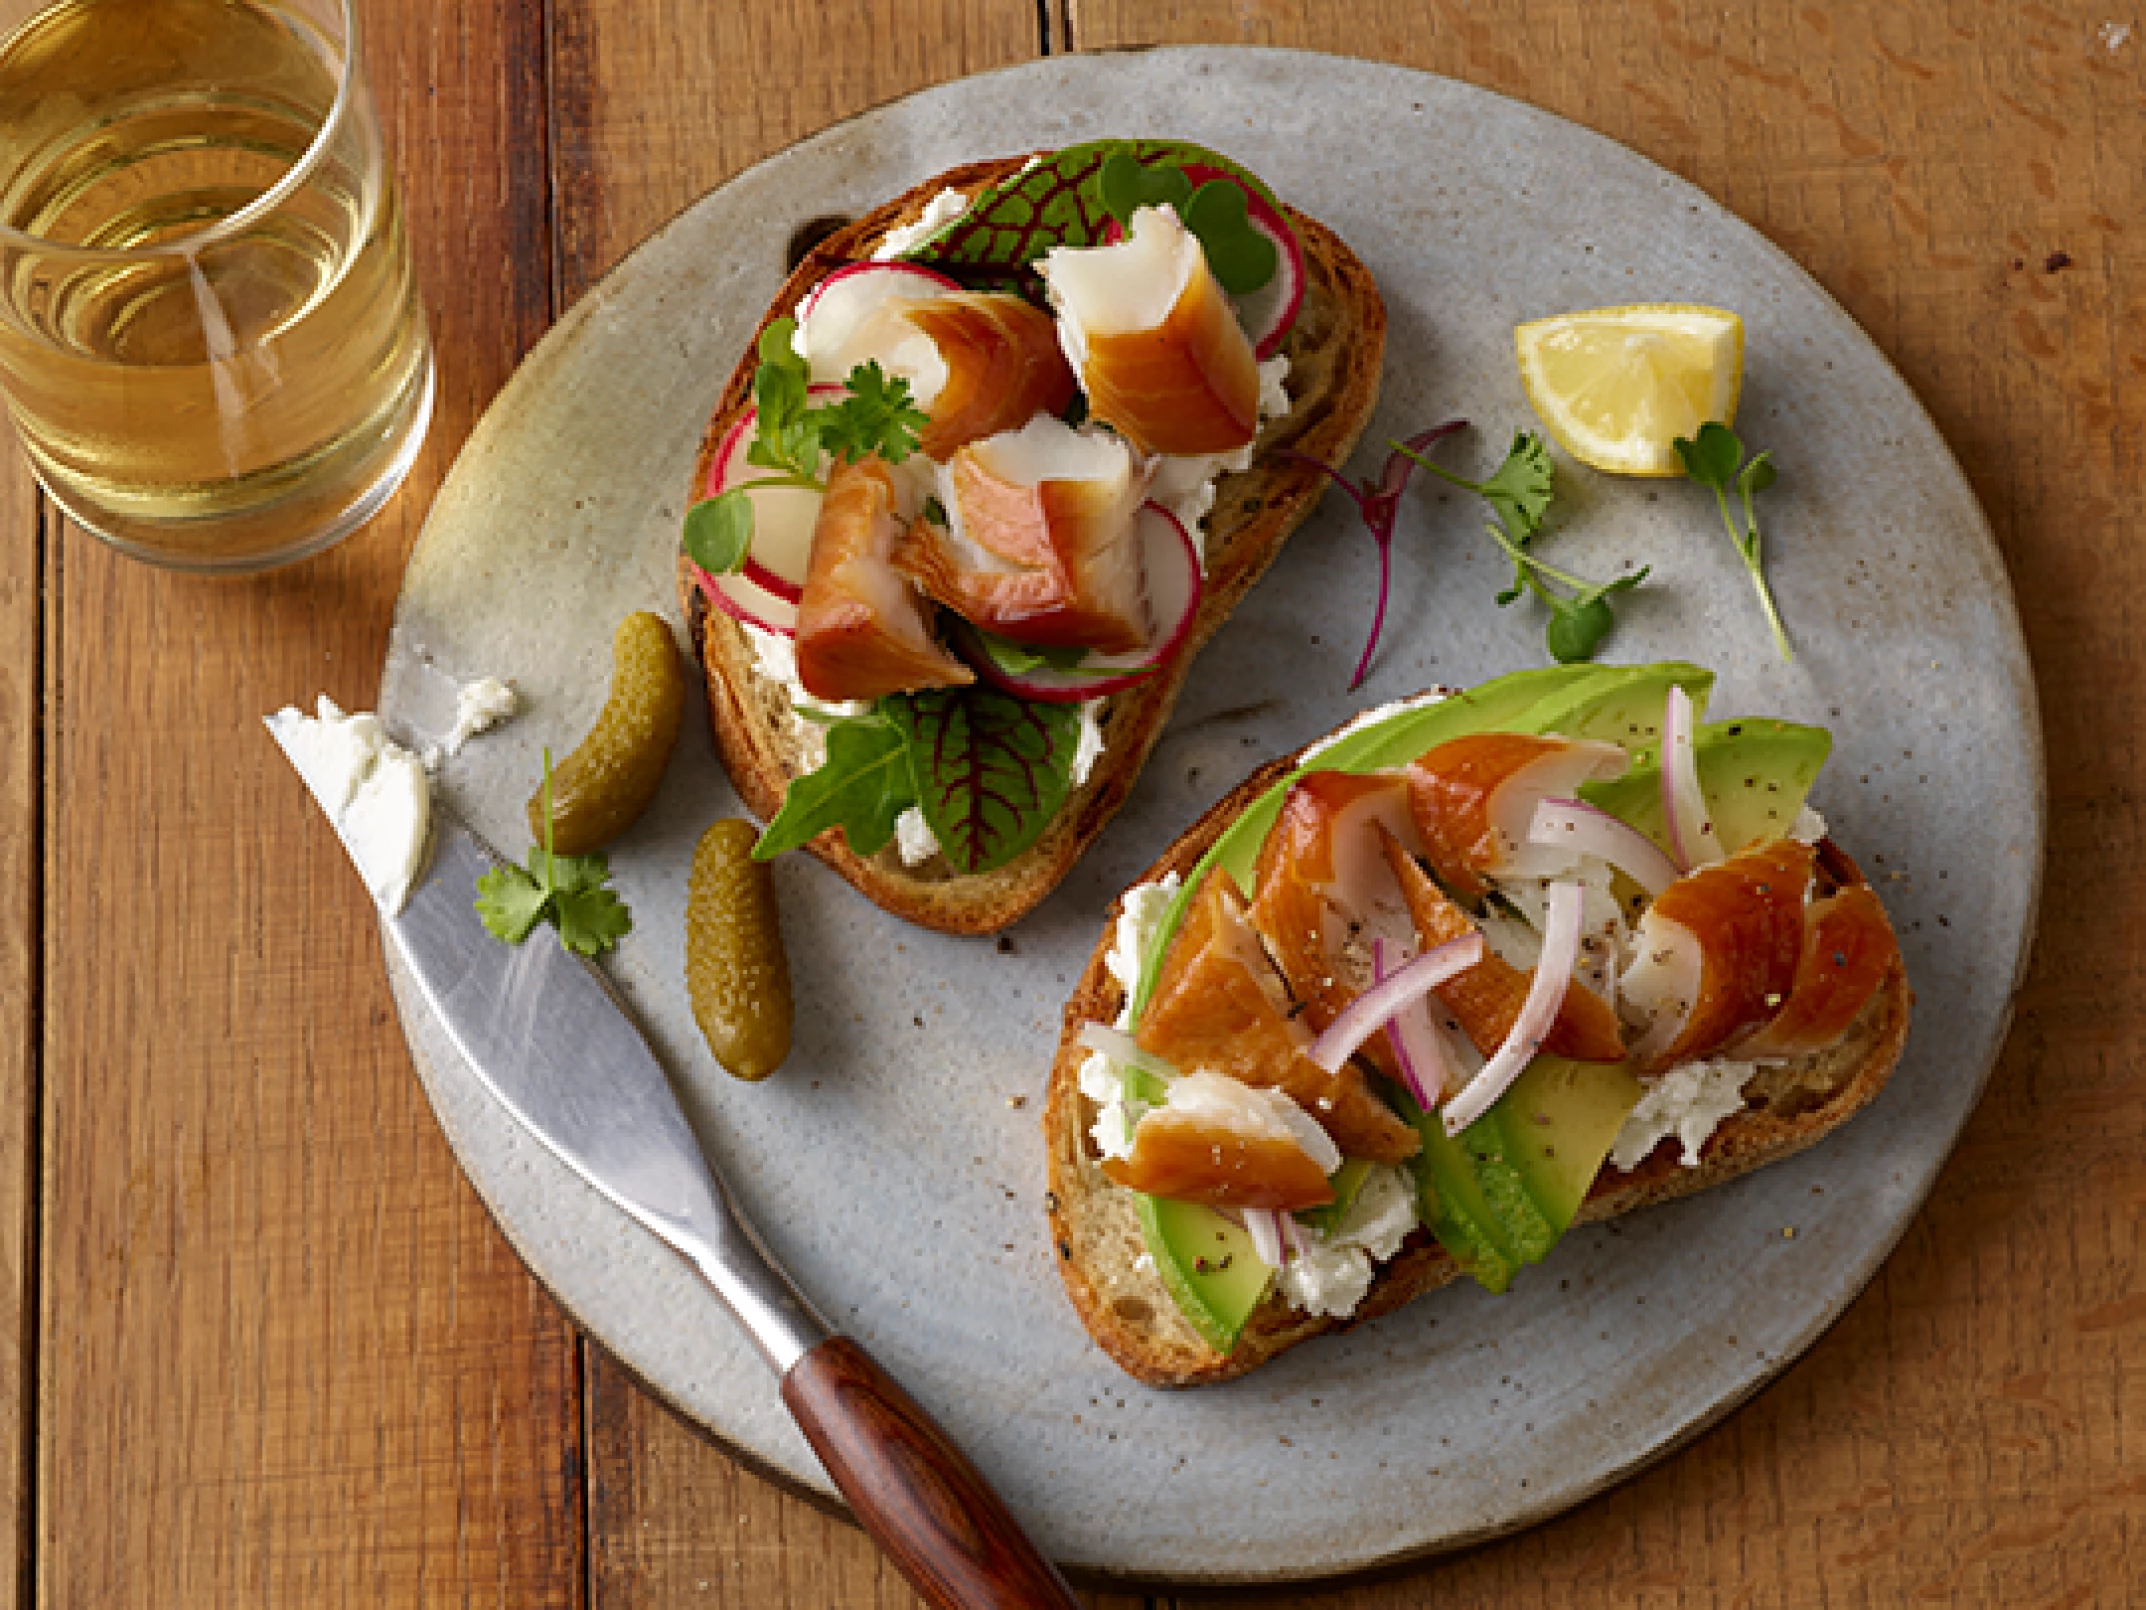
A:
[654,105]
[285,1357]
[1968,183]
[22,692]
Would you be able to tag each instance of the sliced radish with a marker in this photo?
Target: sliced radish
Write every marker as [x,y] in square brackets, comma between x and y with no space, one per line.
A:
[1173,577]
[766,592]
[747,604]
[1268,312]
[843,324]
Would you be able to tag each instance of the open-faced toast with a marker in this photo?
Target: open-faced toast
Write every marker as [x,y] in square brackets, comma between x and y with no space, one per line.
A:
[1334,350]
[1104,1254]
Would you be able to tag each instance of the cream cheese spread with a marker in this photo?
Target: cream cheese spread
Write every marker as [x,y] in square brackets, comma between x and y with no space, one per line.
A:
[1689,1102]
[1140,914]
[374,793]
[1331,1274]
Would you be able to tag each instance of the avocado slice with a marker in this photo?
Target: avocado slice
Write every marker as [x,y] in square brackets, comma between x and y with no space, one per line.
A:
[1451,1199]
[1558,1122]
[1207,1264]
[1627,709]
[1755,774]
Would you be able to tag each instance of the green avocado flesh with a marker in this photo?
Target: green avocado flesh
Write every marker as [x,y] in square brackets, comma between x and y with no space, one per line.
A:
[1504,1191]
[1501,1194]
[1755,775]
[1207,1264]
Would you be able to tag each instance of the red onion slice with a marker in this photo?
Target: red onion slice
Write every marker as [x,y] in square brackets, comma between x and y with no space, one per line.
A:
[1416,1049]
[1691,831]
[1575,825]
[1372,1010]
[1123,1049]
[1553,976]
[1265,1228]
[1292,1236]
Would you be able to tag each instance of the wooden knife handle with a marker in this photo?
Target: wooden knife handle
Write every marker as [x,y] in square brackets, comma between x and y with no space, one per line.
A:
[913,1490]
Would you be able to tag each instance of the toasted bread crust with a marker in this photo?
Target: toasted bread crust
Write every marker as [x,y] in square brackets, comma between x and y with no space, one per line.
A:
[1098,1239]
[1335,350]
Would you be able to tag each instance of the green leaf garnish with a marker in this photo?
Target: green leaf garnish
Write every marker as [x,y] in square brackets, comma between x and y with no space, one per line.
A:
[991,770]
[876,417]
[876,414]
[1243,259]
[1520,492]
[1017,659]
[862,787]
[1716,459]
[1578,621]
[570,890]
[719,533]
[1124,184]
[1061,202]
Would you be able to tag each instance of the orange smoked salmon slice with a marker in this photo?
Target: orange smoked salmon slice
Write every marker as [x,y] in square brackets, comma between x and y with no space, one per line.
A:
[1474,800]
[1041,543]
[862,630]
[1156,343]
[1324,892]
[1718,952]
[1848,950]
[1003,367]
[1486,999]
[1219,1005]
[1217,1142]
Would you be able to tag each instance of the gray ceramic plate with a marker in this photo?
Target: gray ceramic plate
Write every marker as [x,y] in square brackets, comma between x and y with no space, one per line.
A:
[895,1163]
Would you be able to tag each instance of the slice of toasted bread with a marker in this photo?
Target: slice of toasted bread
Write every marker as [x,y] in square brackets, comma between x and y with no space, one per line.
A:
[1334,351]
[1101,1249]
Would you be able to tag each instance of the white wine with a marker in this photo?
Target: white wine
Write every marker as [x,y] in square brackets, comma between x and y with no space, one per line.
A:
[205,370]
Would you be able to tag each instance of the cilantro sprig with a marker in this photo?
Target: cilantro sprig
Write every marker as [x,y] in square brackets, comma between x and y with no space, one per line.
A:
[1519,492]
[569,891]
[1716,459]
[876,415]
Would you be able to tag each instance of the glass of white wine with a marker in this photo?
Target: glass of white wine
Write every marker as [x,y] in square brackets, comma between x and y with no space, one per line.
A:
[210,339]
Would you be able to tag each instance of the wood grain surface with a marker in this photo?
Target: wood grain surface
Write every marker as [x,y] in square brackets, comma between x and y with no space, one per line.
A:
[264,1345]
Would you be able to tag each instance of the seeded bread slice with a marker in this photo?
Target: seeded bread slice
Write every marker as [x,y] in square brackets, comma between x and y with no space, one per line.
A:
[1096,1233]
[1335,350]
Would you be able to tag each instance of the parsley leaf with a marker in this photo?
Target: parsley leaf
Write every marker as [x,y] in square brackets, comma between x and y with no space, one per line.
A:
[1519,490]
[511,903]
[570,890]
[864,784]
[876,417]
[1716,459]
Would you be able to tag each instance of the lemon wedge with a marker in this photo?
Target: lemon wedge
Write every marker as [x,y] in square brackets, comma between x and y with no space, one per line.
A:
[1616,386]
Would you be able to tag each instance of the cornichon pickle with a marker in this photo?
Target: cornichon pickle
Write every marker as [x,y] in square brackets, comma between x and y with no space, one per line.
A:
[600,789]
[736,972]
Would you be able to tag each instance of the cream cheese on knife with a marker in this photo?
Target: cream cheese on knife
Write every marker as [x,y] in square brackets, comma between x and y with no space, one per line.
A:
[374,792]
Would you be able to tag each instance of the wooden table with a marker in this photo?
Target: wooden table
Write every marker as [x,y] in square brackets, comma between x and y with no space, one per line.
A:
[265,1346]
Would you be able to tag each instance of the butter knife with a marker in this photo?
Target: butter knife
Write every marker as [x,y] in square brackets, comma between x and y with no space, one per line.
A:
[543,1031]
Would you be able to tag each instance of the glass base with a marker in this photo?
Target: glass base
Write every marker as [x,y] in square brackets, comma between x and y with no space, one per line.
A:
[317,538]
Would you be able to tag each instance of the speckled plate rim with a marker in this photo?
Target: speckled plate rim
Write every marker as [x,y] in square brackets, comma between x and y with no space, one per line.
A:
[1849,1283]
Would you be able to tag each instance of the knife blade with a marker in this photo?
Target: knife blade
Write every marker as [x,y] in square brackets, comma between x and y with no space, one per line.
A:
[545,1034]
